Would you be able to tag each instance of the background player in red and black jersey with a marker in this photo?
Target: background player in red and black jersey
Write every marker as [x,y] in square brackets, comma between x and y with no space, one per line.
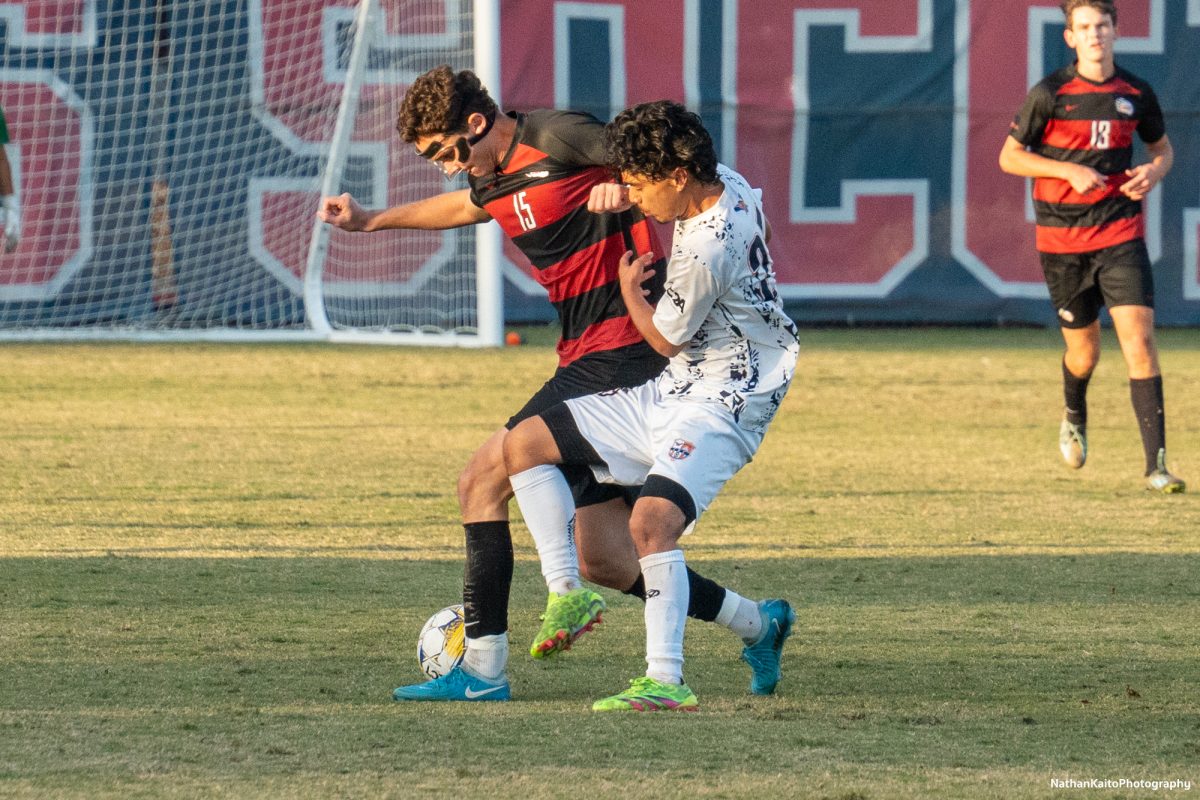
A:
[534,173]
[1074,136]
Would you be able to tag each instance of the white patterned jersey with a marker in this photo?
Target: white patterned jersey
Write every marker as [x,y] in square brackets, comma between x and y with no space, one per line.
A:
[740,348]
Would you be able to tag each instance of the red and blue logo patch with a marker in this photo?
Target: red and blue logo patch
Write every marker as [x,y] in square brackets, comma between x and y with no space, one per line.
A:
[680,449]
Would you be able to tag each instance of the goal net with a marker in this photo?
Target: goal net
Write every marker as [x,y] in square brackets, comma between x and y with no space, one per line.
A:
[169,158]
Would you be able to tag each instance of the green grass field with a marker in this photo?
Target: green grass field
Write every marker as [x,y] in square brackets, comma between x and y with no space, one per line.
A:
[214,561]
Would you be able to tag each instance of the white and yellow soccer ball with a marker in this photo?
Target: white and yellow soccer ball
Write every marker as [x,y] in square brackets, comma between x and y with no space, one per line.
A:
[441,645]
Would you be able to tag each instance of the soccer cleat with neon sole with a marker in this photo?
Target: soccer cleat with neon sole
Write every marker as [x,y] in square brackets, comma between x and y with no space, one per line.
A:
[1160,480]
[648,694]
[764,655]
[457,684]
[567,617]
[1072,443]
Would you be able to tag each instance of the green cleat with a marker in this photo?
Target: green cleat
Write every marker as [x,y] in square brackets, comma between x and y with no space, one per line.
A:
[1072,443]
[647,694]
[1160,480]
[567,617]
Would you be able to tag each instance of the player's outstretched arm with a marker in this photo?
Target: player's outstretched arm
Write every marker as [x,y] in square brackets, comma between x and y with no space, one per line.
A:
[1016,160]
[448,210]
[1145,177]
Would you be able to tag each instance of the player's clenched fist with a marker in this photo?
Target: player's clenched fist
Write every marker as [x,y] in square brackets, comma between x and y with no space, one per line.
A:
[342,212]
[607,197]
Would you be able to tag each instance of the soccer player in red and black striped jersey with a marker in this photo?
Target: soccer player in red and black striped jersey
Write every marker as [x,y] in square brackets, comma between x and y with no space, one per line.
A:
[533,173]
[1074,136]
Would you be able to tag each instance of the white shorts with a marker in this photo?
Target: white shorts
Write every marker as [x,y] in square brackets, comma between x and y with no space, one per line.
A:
[637,433]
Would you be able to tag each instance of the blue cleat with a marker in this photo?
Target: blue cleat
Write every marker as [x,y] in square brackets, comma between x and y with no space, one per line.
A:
[457,684]
[763,656]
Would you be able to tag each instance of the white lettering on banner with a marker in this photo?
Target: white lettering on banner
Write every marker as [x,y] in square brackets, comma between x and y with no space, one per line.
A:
[56,195]
[296,86]
[692,56]
[874,272]
[1191,216]
[61,25]
[879,231]
[613,15]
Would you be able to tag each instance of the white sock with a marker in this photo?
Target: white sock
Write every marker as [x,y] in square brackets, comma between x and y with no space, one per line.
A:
[549,510]
[487,656]
[666,614]
[741,616]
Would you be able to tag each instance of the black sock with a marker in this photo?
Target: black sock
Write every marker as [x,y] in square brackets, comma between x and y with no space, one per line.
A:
[1147,397]
[638,589]
[1075,396]
[705,596]
[487,578]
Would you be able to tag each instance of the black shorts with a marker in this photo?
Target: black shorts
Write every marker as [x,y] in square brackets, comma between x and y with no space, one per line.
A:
[1082,283]
[631,365]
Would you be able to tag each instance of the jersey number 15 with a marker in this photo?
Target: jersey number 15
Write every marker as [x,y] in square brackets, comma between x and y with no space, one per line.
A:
[524,212]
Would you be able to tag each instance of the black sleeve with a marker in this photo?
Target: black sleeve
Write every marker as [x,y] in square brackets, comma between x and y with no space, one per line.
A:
[1151,126]
[1030,123]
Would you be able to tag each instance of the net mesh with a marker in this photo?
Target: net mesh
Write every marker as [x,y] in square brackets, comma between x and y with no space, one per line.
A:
[169,157]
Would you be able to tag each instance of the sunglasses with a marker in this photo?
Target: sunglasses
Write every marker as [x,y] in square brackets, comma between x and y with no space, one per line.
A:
[446,154]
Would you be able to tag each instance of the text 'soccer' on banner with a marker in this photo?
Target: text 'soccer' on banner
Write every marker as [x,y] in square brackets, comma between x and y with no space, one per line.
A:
[872,126]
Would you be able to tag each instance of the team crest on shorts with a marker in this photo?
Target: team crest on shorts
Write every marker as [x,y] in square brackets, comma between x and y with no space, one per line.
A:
[680,449]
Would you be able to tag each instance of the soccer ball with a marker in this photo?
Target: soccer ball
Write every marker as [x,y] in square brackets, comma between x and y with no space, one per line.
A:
[440,646]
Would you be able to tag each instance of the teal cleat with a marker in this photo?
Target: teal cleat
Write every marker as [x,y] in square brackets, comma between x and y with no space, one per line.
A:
[457,684]
[763,656]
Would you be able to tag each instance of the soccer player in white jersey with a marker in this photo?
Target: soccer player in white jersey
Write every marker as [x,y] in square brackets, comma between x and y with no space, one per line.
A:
[732,352]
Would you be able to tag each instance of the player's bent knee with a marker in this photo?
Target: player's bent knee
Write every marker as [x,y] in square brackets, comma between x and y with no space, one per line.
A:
[483,482]
[529,444]
[517,444]
[663,511]
[608,573]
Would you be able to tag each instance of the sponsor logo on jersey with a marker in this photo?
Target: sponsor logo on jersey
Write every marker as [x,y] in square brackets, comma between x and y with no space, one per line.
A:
[1069,107]
[676,300]
[680,449]
[1124,106]
[539,173]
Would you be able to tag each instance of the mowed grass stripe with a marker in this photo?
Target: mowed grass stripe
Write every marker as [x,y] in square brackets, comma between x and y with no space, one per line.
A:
[214,561]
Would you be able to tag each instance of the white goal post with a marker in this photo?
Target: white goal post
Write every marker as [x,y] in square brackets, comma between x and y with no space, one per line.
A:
[169,159]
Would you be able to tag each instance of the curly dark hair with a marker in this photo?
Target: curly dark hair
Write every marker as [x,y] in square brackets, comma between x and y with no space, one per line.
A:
[653,139]
[439,101]
[1103,6]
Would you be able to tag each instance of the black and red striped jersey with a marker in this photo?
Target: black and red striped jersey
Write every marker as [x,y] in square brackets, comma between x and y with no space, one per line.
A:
[539,196]
[1070,118]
